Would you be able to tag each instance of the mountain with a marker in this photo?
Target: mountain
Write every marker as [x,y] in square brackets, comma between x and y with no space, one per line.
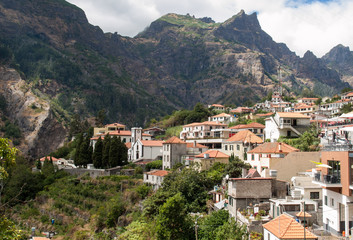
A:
[340,58]
[177,61]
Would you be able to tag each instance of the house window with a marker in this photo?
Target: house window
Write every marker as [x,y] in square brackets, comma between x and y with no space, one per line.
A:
[255,130]
[238,147]
[226,147]
[268,236]
[326,200]
[314,195]
[332,202]
[253,157]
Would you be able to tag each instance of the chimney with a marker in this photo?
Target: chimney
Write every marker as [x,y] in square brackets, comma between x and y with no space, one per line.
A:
[280,147]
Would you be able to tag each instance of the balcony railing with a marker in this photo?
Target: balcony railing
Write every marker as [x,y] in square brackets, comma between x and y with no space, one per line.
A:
[328,179]
[338,147]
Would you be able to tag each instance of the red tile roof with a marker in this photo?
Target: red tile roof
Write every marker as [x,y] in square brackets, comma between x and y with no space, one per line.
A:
[273,147]
[128,144]
[264,114]
[205,123]
[291,115]
[53,158]
[285,227]
[115,125]
[240,126]
[160,173]
[217,105]
[241,109]
[174,139]
[118,133]
[301,214]
[152,143]
[250,125]
[198,145]
[213,154]
[245,136]
[222,115]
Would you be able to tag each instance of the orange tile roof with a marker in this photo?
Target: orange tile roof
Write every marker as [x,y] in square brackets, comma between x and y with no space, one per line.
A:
[174,139]
[291,115]
[117,133]
[115,125]
[343,100]
[217,105]
[205,123]
[160,173]
[255,125]
[285,227]
[245,136]
[128,144]
[301,214]
[40,238]
[264,114]
[310,99]
[152,143]
[198,145]
[53,158]
[273,147]
[213,154]
[302,106]
[240,126]
[241,109]
[222,115]
[349,94]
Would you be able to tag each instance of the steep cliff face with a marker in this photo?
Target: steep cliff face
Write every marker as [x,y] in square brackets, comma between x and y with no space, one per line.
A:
[176,62]
[340,58]
[41,131]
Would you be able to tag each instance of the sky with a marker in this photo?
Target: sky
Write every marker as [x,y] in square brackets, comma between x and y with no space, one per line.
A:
[315,25]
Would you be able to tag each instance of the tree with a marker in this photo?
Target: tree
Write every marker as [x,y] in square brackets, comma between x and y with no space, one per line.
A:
[38,164]
[7,160]
[139,230]
[100,118]
[210,224]
[114,152]
[122,153]
[347,108]
[48,167]
[98,154]
[173,221]
[85,152]
[235,166]
[106,149]
[77,159]
[8,230]
[231,230]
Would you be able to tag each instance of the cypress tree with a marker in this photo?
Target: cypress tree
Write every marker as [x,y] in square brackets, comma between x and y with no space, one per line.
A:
[114,152]
[85,154]
[77,159]
[123,153]
[98,154]
[48,167]
[38,164]
[106,148]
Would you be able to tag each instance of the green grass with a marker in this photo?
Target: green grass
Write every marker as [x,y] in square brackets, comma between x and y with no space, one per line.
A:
[174,131]
[186,20]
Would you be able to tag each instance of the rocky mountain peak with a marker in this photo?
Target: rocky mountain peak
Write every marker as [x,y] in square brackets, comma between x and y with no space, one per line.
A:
[338,54]
[243,22]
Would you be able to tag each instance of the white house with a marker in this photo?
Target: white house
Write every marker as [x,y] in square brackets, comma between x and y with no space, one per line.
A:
[286,124]
[155,178]
[222,118]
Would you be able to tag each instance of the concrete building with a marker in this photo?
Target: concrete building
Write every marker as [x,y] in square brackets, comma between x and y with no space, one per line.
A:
[204,161]
[222,118]
[286,124]
[109,128]
[241,143]
[336,180]
[173,150]
[263,156]
[245,191]
[254,127]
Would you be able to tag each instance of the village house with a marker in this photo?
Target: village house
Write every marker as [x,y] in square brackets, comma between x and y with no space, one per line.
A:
[241,143]
[141,150]
[155,178]
[204,161]
[348,95]
[308,101]
[286,124]
[305,109]
[336,180]
[263,155]
[286,227]
[177,151]
[304,187]
[222,118]
[218,107]
[334,109]
[256,128]
[154,131]
[243,192]
[241,110]
[109,128]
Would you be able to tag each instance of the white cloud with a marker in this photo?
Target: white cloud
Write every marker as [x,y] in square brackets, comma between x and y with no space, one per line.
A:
[302,25]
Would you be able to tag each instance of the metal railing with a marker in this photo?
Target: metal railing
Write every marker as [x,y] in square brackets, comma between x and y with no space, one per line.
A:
[338,147]
[329,179]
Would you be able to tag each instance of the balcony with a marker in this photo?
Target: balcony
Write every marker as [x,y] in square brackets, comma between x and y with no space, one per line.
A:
[328,180]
